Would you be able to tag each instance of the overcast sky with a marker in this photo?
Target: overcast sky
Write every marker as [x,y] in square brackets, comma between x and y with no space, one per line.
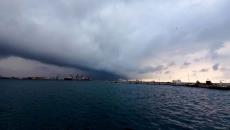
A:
[145,39]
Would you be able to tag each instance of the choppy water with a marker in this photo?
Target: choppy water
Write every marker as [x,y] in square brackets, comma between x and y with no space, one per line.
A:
[67,105]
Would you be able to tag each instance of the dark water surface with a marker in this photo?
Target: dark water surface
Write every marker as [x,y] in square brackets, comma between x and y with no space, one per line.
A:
[70,105]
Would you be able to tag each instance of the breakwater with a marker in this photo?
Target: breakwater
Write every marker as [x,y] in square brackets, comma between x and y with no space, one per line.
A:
[219,86]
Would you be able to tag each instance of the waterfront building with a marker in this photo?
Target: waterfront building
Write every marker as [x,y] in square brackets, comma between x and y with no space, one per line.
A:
[177,82]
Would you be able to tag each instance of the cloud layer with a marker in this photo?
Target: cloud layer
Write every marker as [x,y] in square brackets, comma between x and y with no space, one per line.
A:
[130,38]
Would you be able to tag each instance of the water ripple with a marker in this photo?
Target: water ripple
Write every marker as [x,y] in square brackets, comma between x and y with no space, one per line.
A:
[101,105]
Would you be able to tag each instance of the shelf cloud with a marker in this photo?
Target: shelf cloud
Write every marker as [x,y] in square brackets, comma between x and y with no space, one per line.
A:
[125,38]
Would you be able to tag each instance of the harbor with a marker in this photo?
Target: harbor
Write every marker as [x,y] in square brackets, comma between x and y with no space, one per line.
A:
[179,83]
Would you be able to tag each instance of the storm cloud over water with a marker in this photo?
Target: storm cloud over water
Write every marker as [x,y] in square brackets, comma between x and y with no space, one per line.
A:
[127,38]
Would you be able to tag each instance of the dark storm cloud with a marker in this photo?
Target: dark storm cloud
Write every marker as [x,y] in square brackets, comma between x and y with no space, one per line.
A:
[215,67]
[51,59]
[152,69]
[110,38]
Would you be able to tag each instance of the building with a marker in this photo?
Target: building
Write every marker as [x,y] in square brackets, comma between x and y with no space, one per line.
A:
[176,82]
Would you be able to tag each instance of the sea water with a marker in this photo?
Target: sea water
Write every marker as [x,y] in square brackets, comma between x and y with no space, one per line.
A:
[101,105]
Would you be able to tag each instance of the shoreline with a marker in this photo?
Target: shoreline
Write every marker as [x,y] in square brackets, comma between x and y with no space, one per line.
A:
[218,86]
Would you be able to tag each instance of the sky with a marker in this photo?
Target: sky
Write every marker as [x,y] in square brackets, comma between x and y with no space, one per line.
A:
[116,39]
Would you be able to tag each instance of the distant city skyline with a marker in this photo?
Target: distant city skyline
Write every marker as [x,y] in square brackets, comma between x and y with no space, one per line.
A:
[148,40]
